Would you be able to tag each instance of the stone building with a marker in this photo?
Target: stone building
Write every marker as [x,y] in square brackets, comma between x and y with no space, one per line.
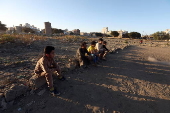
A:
[18,29]
[167,31]
[105,31]
[48,30]
[76,31]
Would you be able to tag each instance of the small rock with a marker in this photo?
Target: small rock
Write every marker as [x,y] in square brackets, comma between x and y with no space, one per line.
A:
[71,66]
[3,104]
[36,82]
[29,104]
[14,91]
[41,92]
[32,92]
[19,109]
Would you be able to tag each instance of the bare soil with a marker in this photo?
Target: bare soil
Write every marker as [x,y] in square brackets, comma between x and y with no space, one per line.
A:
[126,83]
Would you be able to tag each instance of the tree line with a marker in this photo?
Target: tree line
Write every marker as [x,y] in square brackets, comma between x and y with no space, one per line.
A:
[126,35]
[160,35]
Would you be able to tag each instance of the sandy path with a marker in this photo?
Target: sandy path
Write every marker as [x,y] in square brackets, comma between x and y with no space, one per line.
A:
[126,83]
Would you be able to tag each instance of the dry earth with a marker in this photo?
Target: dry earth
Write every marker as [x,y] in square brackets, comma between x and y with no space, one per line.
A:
[126,83]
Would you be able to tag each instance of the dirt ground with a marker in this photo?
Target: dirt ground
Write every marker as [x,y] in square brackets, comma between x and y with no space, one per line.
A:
[126,83]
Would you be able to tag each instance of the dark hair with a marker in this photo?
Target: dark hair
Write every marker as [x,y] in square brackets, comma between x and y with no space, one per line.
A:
[93,42]
[83,43]
[104,42]
[100,39]
[48,49]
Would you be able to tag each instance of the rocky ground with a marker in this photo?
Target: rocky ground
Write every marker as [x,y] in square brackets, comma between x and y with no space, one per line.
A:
[126,83]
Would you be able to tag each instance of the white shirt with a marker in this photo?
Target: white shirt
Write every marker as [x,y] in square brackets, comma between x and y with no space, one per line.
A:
[99,46]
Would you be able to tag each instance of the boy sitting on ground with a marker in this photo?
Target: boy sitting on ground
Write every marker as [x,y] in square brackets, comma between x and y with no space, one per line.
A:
[99,47]
[83,55]
[92,49]
[46,66]
[105,49]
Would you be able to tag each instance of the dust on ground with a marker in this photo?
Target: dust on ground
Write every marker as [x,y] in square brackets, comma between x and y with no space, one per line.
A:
[126,83]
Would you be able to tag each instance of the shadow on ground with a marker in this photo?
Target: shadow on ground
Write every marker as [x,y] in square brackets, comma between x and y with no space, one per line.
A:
[125,83]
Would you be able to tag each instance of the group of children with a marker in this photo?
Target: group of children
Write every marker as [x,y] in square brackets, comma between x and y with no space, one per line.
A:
[93,54]
[46,66]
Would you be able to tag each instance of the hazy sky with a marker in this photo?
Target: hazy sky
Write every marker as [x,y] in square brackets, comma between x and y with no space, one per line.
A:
[144,16]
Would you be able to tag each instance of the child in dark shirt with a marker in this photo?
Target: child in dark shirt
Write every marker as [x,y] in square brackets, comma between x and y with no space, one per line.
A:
[83,55]
[105,49]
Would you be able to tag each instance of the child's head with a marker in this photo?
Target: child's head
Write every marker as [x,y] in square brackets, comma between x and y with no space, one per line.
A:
[100,40]
[49,51]
[83,45]
[93,43]
[104,42]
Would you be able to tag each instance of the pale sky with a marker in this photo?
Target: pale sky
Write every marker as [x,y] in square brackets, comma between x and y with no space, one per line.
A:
[143,16]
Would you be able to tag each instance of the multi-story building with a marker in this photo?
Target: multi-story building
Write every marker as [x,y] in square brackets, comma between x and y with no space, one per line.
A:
[27,25]
[105,31]
[48,30]
[167,31]
[18,29]
[76,31]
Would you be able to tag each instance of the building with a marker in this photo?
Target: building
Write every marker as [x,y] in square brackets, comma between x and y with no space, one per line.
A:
[121,32]
[167,31]
[18,29]
[76,31]
[48,30]
[10,28]
[105,31]
[27,25]
[84,34]
[66,32]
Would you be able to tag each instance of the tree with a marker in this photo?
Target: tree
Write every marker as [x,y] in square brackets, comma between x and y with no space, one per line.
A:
[71,33]
[99,34]
[27,30]
[138,35]
[114,33]
[160,35]
[54,30]
[125,35]
[134,35]
[3,27]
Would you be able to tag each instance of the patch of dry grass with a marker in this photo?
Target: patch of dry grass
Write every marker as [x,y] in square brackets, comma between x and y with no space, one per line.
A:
[71,38]
[24,39]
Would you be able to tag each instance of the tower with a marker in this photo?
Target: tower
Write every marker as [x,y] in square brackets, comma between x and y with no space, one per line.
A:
[48,28]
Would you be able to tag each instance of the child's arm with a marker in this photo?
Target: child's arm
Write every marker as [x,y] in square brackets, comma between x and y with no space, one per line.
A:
[105,48]
[81,53]
[87,52]
[97,46]
[54,64]
[45,67]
